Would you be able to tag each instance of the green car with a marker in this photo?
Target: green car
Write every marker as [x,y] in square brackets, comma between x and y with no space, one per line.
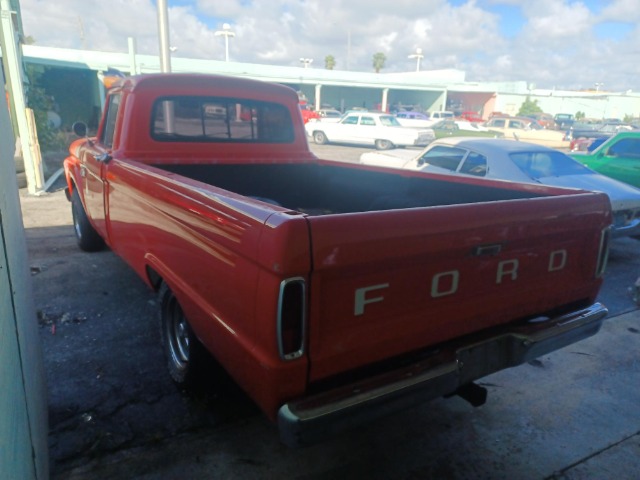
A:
[618,157]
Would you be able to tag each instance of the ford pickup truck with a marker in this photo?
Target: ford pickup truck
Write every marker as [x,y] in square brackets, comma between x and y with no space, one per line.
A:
[331,292]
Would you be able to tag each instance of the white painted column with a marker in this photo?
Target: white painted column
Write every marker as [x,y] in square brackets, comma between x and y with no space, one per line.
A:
[33,169]
[318,97]
[385,99]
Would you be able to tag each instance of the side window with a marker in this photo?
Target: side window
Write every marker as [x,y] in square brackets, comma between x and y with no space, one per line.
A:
[350,120]
[627,147]
[367,121]
[500,123]
[475,164]
[516,124]
[110,121]
[443,157]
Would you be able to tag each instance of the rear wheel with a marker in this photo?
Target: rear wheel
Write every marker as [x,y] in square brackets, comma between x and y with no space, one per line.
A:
[384,145]
[88,239]
[320,138]
[184,353]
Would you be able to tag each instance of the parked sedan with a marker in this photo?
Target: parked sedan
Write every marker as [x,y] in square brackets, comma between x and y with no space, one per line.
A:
[367,128]
[617,157]
[520,162]
[528,130]
[329,114]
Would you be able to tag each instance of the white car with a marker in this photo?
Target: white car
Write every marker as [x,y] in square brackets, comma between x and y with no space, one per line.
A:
[366,128]
[524,162]
[329,115]
[422,120]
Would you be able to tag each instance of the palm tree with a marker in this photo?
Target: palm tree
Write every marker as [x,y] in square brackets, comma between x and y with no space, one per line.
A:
[378,61]
[329,62]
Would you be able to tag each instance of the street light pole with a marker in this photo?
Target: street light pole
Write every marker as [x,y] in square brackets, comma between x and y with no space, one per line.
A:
[418,56]
[226,33]
[598,85]
[163,30]
[306,62]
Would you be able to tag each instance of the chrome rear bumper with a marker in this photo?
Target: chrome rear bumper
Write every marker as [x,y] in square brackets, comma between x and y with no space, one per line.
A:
[311,419]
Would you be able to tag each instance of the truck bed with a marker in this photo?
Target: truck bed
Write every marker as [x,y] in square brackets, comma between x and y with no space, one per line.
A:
[332,188]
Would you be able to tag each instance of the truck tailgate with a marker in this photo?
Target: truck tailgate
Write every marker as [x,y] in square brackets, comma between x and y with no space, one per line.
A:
[383,285]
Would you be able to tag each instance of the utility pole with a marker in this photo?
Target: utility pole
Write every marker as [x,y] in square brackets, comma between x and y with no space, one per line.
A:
[163,31]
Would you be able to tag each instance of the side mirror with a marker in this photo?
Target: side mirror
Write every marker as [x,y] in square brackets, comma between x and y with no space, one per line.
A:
[80,129]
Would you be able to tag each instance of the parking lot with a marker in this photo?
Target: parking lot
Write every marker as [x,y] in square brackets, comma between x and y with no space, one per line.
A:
[114,412]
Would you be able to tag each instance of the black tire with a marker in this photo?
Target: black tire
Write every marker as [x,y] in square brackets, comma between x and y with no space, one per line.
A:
[320,138]
[88,239]
[19,161]
[384,145]
[186,357]
[21,177]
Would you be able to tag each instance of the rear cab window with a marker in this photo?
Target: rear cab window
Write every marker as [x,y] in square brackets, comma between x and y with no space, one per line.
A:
[211,119]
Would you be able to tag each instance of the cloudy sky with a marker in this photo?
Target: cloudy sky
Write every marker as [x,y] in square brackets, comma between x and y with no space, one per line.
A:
[562,44]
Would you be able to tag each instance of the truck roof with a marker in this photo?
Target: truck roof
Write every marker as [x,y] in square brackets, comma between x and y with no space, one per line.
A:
[173,82]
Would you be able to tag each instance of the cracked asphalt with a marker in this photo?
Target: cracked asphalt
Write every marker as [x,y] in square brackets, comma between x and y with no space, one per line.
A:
[114,412]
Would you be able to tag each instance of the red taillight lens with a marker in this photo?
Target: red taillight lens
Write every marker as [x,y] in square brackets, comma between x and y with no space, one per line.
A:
[291,318]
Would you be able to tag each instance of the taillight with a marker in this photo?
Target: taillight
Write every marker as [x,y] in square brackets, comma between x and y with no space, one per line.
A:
[603,253]
[291,318]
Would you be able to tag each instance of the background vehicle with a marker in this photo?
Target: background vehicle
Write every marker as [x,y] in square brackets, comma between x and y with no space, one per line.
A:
[519,162]
[308,114]
[617,157]
[329,114]
[545,120]
[563,120]
[422,120]
[527,130]
[471,117]
[381,130]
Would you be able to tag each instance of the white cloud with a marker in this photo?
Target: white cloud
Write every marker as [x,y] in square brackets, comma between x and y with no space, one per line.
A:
[556,47]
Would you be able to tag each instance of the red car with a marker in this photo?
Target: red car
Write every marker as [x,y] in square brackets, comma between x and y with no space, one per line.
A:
[308,113]
[471,117]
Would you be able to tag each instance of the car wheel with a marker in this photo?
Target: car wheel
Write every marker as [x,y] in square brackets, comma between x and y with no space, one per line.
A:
[22,179]
[88,239]
[184,353]
[384,145]
[320,138]
[19,161]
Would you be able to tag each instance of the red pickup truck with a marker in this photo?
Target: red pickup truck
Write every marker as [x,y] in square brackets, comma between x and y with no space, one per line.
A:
[331,292]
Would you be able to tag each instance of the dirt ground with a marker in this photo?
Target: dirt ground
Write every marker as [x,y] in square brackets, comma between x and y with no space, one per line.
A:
[114,412]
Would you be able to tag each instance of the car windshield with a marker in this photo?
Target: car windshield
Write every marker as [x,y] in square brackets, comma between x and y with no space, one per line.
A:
[389,121]
[547,164]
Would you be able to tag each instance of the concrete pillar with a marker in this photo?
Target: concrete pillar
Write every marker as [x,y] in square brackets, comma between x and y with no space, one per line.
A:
[385,99]
[23,405]
[318,97]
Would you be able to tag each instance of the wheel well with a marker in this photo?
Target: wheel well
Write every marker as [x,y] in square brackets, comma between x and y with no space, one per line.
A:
[154,277]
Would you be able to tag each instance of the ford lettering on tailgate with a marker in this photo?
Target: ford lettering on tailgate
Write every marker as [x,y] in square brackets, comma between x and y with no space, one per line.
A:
[447,283]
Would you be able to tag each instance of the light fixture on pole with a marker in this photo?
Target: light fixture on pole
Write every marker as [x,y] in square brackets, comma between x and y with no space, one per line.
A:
[418,56]
[226,33]
[306,62]
[598,85]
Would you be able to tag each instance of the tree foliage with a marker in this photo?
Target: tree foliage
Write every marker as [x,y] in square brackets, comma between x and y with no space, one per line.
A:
[41,103]
[378,61]
[329,62]
[529,106]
